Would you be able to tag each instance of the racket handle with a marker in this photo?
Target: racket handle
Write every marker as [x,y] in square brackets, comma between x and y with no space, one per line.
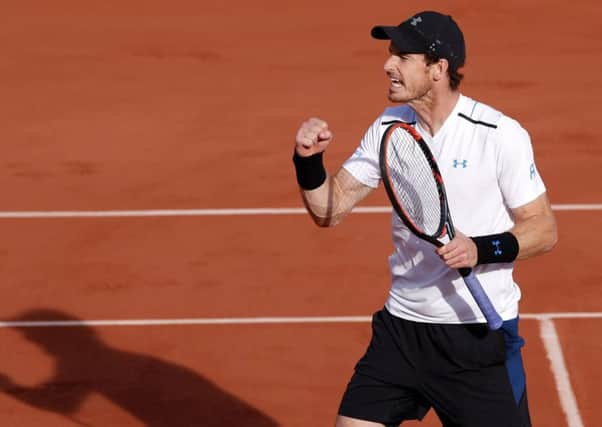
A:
[478,293]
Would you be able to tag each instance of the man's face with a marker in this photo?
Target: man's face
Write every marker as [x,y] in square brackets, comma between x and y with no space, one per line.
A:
[409,74]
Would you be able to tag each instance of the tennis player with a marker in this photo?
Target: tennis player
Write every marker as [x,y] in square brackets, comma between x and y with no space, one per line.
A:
[431,347]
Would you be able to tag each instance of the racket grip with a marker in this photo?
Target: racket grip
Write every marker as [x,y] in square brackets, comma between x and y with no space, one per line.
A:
[478,293]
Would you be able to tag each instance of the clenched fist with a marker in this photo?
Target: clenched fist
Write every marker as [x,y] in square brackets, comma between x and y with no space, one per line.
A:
[312,137]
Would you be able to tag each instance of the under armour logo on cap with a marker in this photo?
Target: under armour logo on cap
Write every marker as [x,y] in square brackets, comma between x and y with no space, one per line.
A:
[416,21]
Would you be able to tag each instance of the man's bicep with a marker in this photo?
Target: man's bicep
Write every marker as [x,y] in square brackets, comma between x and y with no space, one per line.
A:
[538,207]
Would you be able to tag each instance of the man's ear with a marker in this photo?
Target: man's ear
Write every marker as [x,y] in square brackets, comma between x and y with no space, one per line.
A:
[440,69]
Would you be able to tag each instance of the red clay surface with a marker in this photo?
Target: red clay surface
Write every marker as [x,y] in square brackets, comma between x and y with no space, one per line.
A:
[187,105]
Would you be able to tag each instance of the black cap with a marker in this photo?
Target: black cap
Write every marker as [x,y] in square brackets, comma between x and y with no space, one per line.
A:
[427,32]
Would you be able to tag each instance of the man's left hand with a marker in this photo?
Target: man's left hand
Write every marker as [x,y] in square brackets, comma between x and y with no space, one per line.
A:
[460,252]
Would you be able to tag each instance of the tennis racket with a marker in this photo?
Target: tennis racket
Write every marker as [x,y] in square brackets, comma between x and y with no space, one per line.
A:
[415,188]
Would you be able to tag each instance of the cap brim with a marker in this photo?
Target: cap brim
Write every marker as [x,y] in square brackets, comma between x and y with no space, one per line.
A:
[381,32]
[403,39]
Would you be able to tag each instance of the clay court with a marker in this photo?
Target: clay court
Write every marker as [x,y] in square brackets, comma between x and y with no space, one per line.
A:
[156,264]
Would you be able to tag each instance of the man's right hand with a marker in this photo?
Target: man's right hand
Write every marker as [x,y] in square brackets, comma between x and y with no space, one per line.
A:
[312,137]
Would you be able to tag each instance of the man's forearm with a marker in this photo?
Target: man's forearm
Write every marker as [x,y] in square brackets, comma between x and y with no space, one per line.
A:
[334,199]
[322,203]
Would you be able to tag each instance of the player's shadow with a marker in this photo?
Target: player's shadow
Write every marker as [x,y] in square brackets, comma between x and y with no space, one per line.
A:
[157,392]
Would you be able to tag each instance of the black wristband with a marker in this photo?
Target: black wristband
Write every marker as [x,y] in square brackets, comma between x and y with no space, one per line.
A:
[310,171]
[495,248]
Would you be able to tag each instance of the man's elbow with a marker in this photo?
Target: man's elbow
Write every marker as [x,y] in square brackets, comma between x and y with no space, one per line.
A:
[325,222]
[551,239]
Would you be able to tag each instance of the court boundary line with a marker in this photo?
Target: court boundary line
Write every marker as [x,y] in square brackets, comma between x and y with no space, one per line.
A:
[568,400]
[221,212]
[254,320]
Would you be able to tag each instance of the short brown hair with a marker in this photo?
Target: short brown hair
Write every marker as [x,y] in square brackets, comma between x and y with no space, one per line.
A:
[455,77]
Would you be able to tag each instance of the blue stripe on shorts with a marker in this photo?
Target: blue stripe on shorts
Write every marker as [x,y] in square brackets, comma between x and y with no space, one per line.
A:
[514,361]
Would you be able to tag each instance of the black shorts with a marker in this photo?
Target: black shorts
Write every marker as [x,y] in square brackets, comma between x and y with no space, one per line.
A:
[471,376]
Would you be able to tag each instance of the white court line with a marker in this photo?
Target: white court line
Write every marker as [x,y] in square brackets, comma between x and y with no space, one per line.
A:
[178,322]
[253,320]
[568,400]
[221,212]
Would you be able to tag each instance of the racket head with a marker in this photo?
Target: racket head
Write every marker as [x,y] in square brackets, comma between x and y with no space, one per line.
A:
[413,182]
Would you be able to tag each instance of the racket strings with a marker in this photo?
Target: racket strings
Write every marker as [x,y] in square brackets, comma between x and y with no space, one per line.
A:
[412,179]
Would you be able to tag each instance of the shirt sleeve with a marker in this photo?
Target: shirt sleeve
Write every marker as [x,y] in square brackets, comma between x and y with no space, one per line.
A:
[363,164]
[517,173]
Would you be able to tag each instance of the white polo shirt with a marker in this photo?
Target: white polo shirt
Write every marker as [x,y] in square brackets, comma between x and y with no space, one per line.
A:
[486,160]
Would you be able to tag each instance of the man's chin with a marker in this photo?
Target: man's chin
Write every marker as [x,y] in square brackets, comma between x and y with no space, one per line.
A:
[396,98]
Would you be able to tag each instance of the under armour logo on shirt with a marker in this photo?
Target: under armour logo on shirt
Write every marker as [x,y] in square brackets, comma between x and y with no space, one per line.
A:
[460,163]
[416,21]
